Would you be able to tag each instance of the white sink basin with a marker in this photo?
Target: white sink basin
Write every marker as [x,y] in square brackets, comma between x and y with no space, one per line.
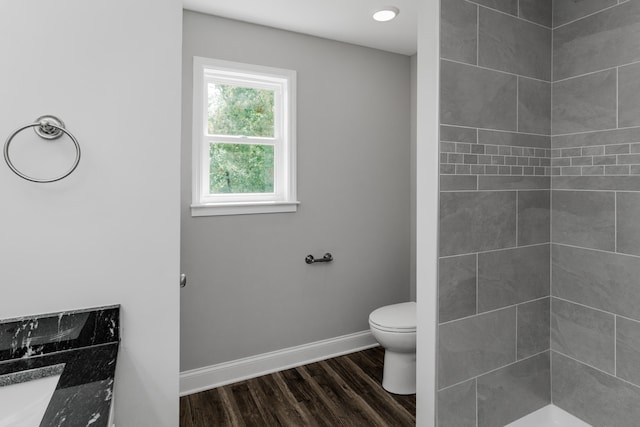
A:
[24,400]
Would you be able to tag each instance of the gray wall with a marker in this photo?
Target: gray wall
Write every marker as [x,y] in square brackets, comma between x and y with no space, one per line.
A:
[249,290]
[595,309]
[108,233]
[494,362]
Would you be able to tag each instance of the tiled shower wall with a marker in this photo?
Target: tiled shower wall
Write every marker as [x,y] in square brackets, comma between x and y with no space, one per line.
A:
[495,160]
[507,189]
[595,304]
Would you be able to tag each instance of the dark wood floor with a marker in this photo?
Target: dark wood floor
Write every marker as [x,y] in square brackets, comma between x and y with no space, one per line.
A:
[344,391]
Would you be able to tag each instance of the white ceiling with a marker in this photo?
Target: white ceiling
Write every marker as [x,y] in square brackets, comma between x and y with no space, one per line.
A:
[344,20]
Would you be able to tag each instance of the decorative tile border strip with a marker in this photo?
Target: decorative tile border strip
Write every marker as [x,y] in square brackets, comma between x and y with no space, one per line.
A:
[596,160]
[459,158]
[462,158]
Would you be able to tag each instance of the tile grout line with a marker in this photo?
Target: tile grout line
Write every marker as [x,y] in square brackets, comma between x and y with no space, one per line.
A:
[482,67]
[508,14]
[493,311]
[475,377]
[477,129]
[617,97]
[477,406]
[637,386]
[517,217]
[496,250]
[477,289]
[615,346]
[516,349]
[615,222]
[477,35]
[518,103]
[588,307]
[586,16]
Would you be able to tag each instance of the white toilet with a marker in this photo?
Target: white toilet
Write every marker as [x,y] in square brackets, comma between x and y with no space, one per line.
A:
[394,327]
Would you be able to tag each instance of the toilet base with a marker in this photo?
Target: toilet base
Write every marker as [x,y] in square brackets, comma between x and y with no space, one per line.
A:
[399,375]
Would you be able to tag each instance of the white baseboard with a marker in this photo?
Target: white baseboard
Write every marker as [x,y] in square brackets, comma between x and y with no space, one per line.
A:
[201,379]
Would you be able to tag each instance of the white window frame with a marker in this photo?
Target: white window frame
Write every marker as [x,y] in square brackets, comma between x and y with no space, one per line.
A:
[283,83]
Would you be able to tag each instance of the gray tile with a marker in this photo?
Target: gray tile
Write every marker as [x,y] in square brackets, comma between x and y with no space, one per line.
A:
[628,350]
[617,170]
[593,151]
[510,44]
[513,139]
[606,137]
[533,328]
[593,170]
[458,134]
[628,89]
[595,397]
[476,345]
[458,182]
[512,276]
[629,159]
[628,226]
[457,405]
[585,103]
[602,280]
[581,161]
[514,391]
[534,106]
[597,42]
[477,149]
[456,287]
[619,183]
[584,218]
[463,169]
[514,182]
[585,334]
[569,152]
[463,148]
[533,217]
[617,149]
[508,6]
[569,10]
[458,31]
[538,11]
[447,147]
[476,97]
[447,169]
[476,221]
[571,171]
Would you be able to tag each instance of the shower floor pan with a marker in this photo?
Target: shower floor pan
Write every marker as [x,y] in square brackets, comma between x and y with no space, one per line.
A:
[549,416]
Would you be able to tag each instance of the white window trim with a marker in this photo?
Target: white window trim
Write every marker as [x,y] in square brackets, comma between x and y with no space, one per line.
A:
[284,199]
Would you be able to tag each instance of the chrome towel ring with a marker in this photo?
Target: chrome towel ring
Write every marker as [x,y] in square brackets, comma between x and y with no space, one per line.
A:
[47,127]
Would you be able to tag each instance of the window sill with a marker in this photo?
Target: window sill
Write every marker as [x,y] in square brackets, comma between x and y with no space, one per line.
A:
[243,208]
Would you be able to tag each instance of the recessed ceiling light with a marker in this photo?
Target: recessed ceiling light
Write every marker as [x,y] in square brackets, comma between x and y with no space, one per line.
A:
[387,13]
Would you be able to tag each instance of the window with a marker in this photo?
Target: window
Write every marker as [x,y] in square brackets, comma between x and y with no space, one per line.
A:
[243,139]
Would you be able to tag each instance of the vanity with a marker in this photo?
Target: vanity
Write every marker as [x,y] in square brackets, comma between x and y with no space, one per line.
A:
[58,369]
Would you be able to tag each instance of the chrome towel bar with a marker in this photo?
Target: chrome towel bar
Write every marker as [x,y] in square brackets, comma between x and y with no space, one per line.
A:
[47,127]
[309,259]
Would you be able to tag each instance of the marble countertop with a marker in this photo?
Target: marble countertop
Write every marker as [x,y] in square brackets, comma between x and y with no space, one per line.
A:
[85,342]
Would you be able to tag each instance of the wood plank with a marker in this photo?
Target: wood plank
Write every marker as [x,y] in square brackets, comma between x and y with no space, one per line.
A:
[308,400]
[372,362]
[378,398]
[344,391]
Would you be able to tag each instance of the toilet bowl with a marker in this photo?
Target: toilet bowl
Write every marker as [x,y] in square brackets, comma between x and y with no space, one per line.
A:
[394,327]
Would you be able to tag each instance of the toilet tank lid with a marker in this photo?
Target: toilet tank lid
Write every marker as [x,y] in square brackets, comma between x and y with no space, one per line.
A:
[397,316]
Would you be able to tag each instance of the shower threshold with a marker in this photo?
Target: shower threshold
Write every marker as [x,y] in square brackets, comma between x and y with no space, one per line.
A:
[549,416]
